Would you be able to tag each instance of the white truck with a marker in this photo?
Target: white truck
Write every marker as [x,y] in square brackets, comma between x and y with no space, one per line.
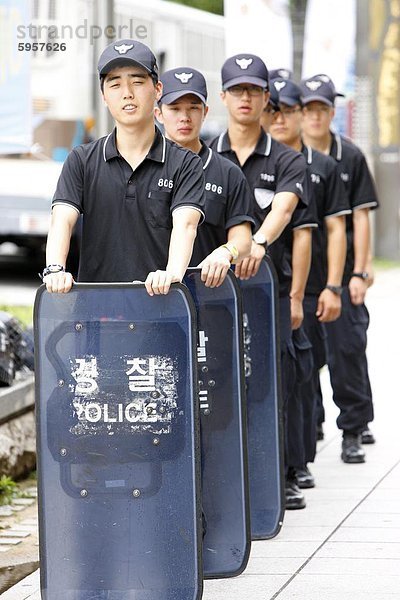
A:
[26,189]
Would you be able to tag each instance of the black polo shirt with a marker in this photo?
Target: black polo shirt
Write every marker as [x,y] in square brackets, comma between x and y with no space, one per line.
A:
[228,202]
[330,200]
[357,179]
[271,168]
[127,215]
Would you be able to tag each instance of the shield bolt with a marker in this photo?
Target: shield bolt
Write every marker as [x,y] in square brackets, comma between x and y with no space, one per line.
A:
[154,394]
[200,383]
[136,493]
[79,326]
[63,452]
[204,369]
[206,411]
[84,493]
[156,441]
[61,382]
[211,383]
[131,326]
[162,409]
[149,410]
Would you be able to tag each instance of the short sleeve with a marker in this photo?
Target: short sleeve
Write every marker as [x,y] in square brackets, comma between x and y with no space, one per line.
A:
[291,175]
[70,185]
[189,184]
[336,199]
[239,200]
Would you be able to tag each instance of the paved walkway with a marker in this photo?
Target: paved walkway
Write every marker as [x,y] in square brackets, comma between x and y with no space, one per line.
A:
[346,544]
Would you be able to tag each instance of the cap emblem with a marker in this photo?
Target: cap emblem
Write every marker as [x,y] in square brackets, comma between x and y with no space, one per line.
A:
[244,63]
[313,85]
[324,78]
[279,85]
[184,77]
[123,48]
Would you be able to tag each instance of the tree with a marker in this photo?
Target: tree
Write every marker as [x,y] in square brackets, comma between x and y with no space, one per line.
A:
[298,9]
[214,6]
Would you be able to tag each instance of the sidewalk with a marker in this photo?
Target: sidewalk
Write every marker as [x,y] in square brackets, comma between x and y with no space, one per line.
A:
[346,544]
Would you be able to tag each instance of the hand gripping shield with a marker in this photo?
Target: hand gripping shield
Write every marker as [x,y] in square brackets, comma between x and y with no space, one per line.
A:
[225,501]
[118,459]
[264,405]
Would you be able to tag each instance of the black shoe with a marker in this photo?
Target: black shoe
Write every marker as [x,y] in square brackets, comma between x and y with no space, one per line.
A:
[367,437]
[320,432]
[305,479]
[293,496]
[352,452]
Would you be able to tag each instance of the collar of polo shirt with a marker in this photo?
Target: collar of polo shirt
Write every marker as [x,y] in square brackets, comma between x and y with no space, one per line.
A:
[156,152]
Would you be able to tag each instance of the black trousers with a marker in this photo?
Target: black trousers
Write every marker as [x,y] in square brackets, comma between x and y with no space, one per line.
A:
[348,367]
[310,389]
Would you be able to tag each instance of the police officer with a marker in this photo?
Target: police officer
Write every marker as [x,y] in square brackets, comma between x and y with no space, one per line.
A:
[347,336]
[276,175]
[141,196]
[321,301]
[225,235]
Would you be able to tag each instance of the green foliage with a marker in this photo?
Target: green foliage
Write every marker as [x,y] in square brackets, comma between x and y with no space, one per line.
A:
[22,313]
[213,6]
[8,489]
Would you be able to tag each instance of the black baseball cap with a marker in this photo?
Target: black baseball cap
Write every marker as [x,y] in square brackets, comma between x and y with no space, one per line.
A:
[315,89]
[124,53]
[327,79]
[244,68]
[286,91]
[281,72]
[180,82]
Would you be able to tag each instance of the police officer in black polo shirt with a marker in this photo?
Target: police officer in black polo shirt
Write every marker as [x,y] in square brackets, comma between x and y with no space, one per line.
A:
[347,336]
[276,175]
[225,235]
[141,196]
[321,301]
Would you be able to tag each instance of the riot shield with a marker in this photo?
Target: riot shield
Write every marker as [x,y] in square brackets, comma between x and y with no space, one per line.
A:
[225,504]
[264,405]
[118,439]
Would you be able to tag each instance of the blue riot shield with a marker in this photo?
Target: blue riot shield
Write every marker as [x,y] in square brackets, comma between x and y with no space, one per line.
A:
[264,405]
[118,444]
[225,503]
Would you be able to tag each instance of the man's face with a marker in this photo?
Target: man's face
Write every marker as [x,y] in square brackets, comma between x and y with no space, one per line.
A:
[129,94]
[182,119]
[286,124]
[267,116]
[245,102]
[317,118]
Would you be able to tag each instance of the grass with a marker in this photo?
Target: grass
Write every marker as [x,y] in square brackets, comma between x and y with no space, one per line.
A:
[385,263]
[8,489]
[22,313]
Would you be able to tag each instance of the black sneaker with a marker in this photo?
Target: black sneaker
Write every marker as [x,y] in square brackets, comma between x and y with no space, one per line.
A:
[352,452]
[305,479]
[367,437]
[294,497]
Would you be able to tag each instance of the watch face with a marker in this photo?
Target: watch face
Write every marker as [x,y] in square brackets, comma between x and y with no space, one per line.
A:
[259,238]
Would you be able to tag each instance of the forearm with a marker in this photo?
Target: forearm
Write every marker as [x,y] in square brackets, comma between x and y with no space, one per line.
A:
[301,261]
[58,239]
[336,250]
[240,237]
[280,216]
[361,239]
[181,248]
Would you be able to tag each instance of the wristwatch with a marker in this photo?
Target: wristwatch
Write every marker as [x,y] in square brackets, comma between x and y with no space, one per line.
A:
[232,249]
[362,275]
[260,238]
[52,269]
[336,289]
